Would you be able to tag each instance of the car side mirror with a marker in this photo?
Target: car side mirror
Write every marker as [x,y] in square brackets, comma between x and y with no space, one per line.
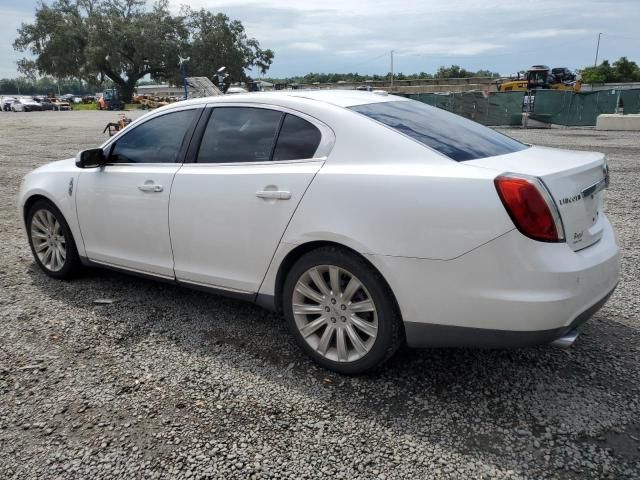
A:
[91,158]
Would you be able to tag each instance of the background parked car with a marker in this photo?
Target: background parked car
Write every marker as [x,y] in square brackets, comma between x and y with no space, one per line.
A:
[45,103]
[6,103]
[60,104]
[25,105]
[70,98]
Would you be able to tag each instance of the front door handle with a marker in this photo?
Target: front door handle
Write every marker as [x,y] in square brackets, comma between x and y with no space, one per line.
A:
[274,194]
[150,187]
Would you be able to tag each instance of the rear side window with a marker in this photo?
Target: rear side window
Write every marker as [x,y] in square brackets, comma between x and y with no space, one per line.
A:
[452,135]
[298,139]
[239,134]
[155,141]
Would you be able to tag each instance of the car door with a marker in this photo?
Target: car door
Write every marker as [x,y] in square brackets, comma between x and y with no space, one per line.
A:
[231,204]
[123,207]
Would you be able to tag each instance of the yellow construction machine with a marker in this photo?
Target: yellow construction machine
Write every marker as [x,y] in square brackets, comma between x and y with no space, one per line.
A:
[542,77]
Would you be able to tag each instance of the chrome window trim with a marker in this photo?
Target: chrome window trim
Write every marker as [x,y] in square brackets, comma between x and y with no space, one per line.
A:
[155,164]
[260,163]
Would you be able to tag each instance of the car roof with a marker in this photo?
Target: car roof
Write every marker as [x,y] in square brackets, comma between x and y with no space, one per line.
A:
[345,98]
[340,98]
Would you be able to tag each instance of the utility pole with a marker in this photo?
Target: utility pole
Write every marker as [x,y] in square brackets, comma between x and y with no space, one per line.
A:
[595,63]
[391,68]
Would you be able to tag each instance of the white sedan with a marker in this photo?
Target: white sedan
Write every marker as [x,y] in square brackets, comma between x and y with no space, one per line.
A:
[367,219]
[25,105]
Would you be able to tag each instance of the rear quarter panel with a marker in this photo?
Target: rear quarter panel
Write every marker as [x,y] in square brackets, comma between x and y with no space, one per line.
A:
[419,206]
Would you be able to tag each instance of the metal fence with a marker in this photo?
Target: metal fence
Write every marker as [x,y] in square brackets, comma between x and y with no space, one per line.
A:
[548,106]
[486,108]
[630,101]
[573,109]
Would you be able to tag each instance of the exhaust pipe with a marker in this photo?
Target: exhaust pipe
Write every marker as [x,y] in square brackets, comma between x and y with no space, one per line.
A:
[566,340]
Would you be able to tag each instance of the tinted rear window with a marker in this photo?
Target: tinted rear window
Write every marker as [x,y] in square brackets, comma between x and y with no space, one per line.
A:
[239,134]
[452,135]
[298,139]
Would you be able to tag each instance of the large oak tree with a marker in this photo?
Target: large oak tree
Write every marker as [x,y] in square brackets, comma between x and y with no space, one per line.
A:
[124,40]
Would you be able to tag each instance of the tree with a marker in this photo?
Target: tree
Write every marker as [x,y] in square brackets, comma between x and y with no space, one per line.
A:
[444,72]
[623,70]
[454,71]
[46,85]
[216,41]
[125,40]
[486,73]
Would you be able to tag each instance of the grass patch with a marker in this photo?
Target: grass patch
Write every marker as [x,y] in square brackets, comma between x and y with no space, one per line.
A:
[92,106]
[83,106]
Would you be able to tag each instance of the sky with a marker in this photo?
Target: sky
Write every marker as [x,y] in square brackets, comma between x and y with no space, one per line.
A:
[357,36]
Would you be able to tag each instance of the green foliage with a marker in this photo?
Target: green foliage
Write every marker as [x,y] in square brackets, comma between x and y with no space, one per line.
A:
[48,85]
[216,41]
[454,71]
[443,72]
[622,70]
[125,40]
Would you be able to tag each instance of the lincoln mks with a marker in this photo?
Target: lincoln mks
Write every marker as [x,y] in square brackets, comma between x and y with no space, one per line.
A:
[368,220]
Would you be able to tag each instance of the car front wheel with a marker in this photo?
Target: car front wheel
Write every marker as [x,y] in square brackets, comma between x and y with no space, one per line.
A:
[341,311]
[51,242]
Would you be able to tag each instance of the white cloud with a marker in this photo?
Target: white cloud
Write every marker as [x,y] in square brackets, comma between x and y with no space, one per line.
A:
[349,35]
[306,46]
[11,21]
[550,33]
[451,46]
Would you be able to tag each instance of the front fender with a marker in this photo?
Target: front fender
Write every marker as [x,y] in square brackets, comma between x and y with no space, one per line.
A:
[57,183]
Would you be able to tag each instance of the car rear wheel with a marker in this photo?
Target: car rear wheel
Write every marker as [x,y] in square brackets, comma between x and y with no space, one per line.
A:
[51,242]
[341,311]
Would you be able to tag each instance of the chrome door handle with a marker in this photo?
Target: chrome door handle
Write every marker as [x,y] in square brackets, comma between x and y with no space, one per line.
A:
[274,194]
[150,187]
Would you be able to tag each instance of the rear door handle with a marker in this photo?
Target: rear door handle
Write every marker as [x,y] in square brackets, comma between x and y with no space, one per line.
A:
[274,194]
[150,187]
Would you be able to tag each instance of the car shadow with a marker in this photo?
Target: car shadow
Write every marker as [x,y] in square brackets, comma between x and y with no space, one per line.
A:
[533,390]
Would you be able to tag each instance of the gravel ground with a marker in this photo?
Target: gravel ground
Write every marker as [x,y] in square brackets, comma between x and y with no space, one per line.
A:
[167,382]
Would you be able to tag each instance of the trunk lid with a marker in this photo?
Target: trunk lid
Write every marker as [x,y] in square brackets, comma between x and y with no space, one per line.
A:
[576,181]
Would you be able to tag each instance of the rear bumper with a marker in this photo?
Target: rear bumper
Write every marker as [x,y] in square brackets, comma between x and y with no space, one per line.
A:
[510,292]
[423,335]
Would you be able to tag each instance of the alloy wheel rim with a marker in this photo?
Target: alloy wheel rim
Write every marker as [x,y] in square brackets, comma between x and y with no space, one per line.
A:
[335,313]
[48,240]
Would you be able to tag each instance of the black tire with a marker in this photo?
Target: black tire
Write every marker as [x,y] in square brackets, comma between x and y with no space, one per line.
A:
[390,332]
[71,265]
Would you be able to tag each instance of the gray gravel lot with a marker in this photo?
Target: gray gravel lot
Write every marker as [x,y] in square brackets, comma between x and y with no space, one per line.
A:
[172,383]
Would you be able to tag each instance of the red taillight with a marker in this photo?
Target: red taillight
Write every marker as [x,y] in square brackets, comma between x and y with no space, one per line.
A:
[530,207]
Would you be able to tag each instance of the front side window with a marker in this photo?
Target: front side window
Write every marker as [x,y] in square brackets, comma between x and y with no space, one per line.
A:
[155,141]
[239,134]
[298,139]
[452,135]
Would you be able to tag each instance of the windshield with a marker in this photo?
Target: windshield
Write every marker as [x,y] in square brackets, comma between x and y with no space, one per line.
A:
[452,135]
